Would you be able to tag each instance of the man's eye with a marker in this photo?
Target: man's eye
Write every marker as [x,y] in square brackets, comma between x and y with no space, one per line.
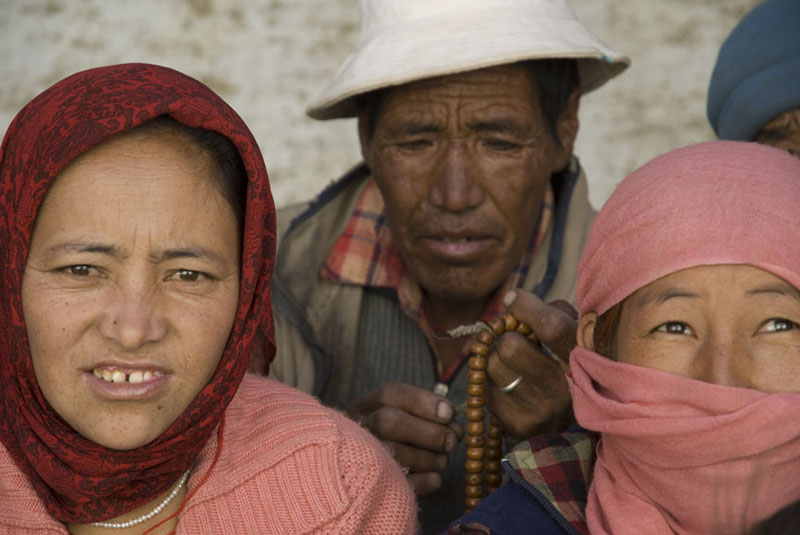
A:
[501,145]
[415,144]
[674,327]
[778,325]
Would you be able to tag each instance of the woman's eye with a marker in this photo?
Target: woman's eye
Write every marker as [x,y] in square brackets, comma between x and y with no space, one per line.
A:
[778,325]
[188,275]
[79,270]
[674,327]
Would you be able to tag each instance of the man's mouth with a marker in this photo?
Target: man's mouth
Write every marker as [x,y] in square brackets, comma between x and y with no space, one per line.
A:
[458,249]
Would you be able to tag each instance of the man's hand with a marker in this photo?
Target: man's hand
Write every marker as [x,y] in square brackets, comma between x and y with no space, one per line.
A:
[540,403]
[416,425]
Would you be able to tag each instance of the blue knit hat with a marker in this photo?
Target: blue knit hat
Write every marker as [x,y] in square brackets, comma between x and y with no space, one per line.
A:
[757,75]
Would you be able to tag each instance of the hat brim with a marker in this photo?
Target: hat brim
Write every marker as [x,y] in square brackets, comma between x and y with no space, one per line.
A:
[438,46]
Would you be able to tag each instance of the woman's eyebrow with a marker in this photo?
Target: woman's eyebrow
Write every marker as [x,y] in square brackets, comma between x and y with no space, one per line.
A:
[662,296]
[186,252]
[86,247]
[117,253]
[779,288]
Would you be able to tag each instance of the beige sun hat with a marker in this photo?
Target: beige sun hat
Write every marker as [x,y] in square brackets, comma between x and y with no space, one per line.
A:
[406,40]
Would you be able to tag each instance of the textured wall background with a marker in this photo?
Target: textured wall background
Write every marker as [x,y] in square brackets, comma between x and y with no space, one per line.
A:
[268,58]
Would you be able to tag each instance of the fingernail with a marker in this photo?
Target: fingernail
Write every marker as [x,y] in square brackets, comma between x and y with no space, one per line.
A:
[441,462]
[450,442]
[509,297]
[444,411]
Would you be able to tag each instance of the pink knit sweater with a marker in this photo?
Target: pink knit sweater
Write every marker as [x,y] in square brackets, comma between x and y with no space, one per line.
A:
[288,465]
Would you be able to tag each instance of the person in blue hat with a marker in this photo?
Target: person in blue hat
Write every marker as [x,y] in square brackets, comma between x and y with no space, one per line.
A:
[754,94]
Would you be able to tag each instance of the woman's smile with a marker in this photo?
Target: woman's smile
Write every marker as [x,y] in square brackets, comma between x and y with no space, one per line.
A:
[116,375]
[118,383]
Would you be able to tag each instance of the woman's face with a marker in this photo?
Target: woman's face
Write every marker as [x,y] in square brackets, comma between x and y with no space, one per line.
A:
[131,287]
[733,325]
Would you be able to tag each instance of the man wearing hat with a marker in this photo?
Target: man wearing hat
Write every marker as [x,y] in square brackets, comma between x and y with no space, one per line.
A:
[754,94]
[467,116]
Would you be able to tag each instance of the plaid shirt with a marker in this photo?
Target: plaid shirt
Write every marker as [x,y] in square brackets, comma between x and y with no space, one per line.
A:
[560,468]
[556,470]
[366,255]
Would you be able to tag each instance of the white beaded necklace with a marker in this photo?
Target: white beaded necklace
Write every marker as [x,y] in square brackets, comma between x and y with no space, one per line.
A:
[151,514]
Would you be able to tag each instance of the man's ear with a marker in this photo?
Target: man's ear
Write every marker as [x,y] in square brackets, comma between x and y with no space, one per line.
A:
[363,134]
[586,325]
[796,116]
[567,127]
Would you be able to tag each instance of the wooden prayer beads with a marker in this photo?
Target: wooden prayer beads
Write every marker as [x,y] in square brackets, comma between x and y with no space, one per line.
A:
[484,453]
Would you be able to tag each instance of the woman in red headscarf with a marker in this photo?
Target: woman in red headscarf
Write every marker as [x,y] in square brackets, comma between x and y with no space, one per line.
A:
[138,232]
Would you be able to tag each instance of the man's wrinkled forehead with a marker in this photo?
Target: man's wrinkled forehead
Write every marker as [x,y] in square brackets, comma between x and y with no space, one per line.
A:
[489,96]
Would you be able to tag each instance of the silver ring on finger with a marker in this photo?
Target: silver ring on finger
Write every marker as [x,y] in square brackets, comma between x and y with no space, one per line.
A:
[511,386]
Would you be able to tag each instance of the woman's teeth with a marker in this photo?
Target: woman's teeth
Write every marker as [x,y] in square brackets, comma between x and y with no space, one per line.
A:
[118,376]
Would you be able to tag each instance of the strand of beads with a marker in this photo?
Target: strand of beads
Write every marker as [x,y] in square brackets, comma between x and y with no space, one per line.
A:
[484,453]
[151,514]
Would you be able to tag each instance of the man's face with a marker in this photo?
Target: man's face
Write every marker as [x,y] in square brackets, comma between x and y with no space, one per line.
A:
[782,132]
[462,162]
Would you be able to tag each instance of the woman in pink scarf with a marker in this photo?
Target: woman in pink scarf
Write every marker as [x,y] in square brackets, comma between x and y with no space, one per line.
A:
[688,357]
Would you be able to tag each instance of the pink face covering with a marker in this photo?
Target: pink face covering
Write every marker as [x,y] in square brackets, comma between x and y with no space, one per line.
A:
[683,456]
[679,455]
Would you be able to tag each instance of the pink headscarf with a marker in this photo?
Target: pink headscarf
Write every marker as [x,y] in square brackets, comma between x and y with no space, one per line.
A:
[679,455]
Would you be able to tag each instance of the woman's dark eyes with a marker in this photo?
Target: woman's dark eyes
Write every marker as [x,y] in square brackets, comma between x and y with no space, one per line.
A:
[674,327]
[182,275]
[779,325]
[188,275]
[770,326]
[78,270]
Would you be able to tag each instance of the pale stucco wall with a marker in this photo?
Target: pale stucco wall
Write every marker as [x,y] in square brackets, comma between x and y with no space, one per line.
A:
[267,58]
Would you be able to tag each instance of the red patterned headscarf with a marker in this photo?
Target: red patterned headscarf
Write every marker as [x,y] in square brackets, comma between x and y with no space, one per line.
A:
[78,480]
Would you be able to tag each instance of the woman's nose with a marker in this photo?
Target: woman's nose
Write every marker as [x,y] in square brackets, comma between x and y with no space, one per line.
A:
[133,317]
[727,363]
